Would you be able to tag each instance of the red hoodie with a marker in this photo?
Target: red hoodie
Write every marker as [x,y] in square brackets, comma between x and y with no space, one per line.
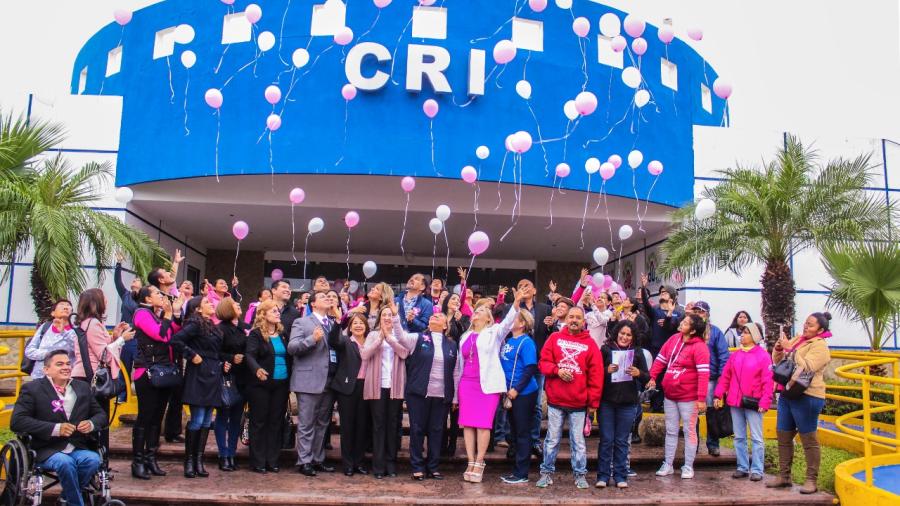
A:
[578,353]
[687,369]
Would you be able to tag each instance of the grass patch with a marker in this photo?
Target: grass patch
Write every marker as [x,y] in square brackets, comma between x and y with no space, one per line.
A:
[6,435]
[831,457]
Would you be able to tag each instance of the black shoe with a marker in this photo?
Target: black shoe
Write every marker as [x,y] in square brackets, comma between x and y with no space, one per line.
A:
[537,451]
[348,472]
[361,470]
[737,475]
[223,465]
[138,464]
[260,470]
[418,476]
[435,476]
[323,467]
[152,448]
[307,470]
[273,469]
[190,459]
[175,439]
[233,464]
[199,450]
[714,452]
[379,476]
[392,474]
[511,453]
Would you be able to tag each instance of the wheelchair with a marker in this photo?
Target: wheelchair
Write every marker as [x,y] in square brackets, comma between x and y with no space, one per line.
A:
[24,483]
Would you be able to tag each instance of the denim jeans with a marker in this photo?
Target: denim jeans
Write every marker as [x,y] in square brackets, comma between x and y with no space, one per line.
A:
[615,439]
[521,417]
[556,417]
[228,428]
[740,419]
[501,426]
[801,415]
[74,471]
[201,417]
[710,390]
[538,410]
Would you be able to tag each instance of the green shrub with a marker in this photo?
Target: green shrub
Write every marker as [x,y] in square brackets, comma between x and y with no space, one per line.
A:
[837,408]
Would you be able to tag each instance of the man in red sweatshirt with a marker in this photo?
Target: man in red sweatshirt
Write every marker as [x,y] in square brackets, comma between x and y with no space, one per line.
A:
[573,367]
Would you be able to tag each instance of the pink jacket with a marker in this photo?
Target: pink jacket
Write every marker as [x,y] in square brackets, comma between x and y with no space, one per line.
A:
[371,357]
[747,373]
[687,369]
[98,339]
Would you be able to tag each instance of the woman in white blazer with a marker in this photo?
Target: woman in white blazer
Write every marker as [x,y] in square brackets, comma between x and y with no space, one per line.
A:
[482,380]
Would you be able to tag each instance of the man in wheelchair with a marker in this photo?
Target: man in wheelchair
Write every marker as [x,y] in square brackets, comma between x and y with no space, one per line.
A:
[59,414]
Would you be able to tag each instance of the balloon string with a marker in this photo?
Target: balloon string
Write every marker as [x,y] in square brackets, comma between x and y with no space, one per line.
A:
[500,181]
[517,192]
[446,243]
[608,222]
[271,163]
[647,202]
[305,246]
[403,233]
[293,234]
[477,190]
[584,215]
[396,46]
[471,263]
[344,143]
[552,192]
[236,253]
[221,59]
[433,253]
[377,17]
[637,199]
[431,131]
[171,87]
[187,85]
[281,32]
[348,252]
[218,133]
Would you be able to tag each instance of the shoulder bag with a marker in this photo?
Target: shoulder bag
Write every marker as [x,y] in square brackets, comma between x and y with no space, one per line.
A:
[507,402]
[27,365]
[103,386]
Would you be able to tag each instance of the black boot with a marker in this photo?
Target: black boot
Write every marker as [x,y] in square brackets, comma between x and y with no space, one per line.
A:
[190,438]
[138,467]
[200,446]
[233,464]
[152,449]
[225,464]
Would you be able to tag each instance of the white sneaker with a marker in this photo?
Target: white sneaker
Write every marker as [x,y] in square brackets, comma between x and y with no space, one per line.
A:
[622,484]
[687,472]
[600,484]
[665,470]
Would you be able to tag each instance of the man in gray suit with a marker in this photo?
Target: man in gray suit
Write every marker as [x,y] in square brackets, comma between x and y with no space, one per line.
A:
[309,347]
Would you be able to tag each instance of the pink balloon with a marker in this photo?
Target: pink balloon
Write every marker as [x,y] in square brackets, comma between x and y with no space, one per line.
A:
[618,43]
[273,122]
[537,5]
[430,108]
[607,281]
[469,174]
[348,92]
[240,229]
[521,142]
[273,94]
[408,184]
[214,98]
[478,242]
[427,2]
[297,195]
[504,52]
[227,2]
[607,171]
[563,170]
[581,26]
[722,88]
[616,160]
[655,167]
[639,46]
[277,275]
[586,103]
[695,33]
[666,34]
[634,25]
[122,16]
[344,36]
[253,13]
[508,143]
[381,4]
[351,219]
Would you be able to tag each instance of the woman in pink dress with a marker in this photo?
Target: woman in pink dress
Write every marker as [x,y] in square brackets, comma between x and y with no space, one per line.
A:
[482,380]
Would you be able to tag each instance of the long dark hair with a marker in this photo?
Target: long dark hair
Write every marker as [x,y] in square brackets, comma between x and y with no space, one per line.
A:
[734,323]
[91,304]
[192,314]
[612,339]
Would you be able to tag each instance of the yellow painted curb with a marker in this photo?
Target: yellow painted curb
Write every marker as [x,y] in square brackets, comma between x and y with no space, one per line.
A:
[855,492]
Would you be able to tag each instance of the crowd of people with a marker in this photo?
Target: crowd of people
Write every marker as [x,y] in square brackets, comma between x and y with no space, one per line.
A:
[482,366]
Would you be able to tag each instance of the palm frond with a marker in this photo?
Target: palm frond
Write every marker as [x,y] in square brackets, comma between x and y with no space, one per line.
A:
[22,140]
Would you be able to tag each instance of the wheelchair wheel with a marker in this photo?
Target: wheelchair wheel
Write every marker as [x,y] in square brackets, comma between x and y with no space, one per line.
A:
[113,502]
[15,466]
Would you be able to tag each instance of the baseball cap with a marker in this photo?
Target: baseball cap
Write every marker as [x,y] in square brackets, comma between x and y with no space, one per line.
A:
[702,305]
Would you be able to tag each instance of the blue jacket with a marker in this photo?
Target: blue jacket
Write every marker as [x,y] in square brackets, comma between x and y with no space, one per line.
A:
[420,322]
[718,352]
[129,305]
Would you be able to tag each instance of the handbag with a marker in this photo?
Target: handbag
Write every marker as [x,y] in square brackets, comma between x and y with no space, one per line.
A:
[103,386]
[288,429]
[163,375]
[27,365]
[800,384]
[747,401]
[231,396]
[506,402]
[783,371]
[718,423]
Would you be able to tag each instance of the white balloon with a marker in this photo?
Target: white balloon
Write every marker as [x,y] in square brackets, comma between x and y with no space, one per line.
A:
[436,226]
[265,41]
[564,4]
[184,34]
[124,194]
[354,286]
[442,212]
[610,25]
[601,256]
[598,278]
[592,165]
[705,209]
[571,110]
[482,152]
[641,98]
[315,225]
[188,59]
[300,57]
[635,159]
[631,76]
[457,289]
[625,232]
[369,269]
[523,88]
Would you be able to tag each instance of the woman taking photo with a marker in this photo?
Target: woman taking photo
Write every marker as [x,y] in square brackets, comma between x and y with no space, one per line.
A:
[519,360]
[799,409]
[481,382]
[620,402]
[746,384]
[268,364]
[348,384]
[200,342]
[57,334]
[263,295]
[154,328]
[685,357]
[228,417]
[385,364]
[735,330]
[430,385]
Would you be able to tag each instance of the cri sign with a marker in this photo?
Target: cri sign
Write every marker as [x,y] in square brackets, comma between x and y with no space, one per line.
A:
[421,62]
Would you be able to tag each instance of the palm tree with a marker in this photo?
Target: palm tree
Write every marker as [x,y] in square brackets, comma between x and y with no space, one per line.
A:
[45,206]
[866,287]
[764,216]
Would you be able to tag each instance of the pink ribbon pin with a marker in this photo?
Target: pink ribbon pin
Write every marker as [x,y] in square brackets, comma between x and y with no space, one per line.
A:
[57,405]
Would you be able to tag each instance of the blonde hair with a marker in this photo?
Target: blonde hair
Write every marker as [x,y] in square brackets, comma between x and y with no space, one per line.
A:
[259,320]
[387,295]
[528,319]
[485,301]
[225,311]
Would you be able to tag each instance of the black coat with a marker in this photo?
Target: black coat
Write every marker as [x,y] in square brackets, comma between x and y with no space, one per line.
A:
[349,361]
[288,315]
[203,382]
[458,327]
[34,415]
[626,392]
[261,354]
[234,342]
[541,332]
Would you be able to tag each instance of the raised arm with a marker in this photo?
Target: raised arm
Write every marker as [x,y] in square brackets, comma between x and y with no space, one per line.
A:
[407,339]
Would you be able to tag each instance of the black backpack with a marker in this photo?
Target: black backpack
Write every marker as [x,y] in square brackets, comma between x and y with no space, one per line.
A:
[27,365]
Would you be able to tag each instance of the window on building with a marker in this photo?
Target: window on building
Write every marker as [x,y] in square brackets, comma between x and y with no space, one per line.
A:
[429,22]
[82,81]
[528,34]
[606,55]
[669,74]
[114,61]
[328,18]
[164,43]
[236,29]
[706,98]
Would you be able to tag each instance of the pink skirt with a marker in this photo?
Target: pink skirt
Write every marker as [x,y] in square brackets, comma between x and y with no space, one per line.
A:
[476,408]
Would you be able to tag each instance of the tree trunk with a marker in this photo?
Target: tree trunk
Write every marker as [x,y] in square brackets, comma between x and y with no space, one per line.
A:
[40,295]
[777,299]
